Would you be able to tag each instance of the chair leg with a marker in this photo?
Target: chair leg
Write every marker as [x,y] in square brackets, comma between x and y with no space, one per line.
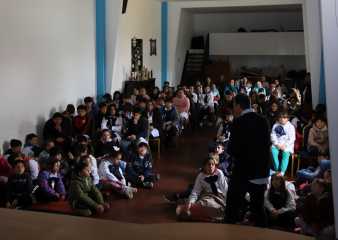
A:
[298,162]
[292,165]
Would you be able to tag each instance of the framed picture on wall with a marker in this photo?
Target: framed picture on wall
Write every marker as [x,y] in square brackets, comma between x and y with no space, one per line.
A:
[136,54]
[153,48]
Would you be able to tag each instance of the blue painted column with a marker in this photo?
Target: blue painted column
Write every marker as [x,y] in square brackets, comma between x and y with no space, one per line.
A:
[164,37]
[322,91]
[100,9]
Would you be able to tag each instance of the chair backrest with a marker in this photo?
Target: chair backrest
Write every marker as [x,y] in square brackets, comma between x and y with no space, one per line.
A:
[306,131]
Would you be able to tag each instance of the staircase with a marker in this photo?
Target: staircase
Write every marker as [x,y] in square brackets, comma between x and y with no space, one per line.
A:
[193,67]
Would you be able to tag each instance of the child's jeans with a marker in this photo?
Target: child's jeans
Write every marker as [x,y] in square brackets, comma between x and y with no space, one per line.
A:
[280,166]
[310,173]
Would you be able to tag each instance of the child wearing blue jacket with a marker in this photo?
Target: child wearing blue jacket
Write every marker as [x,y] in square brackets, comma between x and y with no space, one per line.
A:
[140,170]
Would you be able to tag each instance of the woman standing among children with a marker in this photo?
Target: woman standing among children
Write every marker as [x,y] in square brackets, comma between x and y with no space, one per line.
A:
[283,138]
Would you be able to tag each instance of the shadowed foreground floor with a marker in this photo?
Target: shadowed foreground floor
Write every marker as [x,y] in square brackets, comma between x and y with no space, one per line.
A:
[40,226]
[127,218]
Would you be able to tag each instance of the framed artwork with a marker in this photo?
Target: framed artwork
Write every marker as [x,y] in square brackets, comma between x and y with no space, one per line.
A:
[136,54]
[153,48]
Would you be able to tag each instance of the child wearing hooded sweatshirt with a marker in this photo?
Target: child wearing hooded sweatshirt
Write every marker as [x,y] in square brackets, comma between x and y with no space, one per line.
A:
[84,196]
[283,138]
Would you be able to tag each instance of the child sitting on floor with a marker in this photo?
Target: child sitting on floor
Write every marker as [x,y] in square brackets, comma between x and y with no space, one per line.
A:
[310,173]
[32,141]
[223,131]
[170,126]
[19,187]
[82,150]
[5,172]
[283,137]
[280,203]
[33,163]
[140,171]
[207,199]
[316,213]
[105,145]
[84,196]
[51,187]
[112,171]
[135,129]
[81,121]
[318,136]
[15,149]
[225,161]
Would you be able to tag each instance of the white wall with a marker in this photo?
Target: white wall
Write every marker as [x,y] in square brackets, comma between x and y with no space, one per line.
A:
[47,60]
[270,43]
[176,7]
[142,20]
[267,63]
[183,43]
[113,13]
[313,44]
[329,19]
[231,21]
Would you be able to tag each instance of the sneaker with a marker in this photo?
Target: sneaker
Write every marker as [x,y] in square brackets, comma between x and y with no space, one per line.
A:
[148,185]
[128,193]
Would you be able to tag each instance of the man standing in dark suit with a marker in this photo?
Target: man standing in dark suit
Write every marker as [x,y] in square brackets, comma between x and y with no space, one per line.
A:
[250,148]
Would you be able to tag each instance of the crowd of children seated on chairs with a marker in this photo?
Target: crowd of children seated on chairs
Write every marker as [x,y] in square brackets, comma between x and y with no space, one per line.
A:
[105,148]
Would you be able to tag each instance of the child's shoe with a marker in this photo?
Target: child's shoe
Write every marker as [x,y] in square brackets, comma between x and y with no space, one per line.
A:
[148,185]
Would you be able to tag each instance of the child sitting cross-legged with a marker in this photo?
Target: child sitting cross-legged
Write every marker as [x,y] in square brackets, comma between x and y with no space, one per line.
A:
[84,196]
[19,193]
[112,171]
[140,171]
[316,212]
[280,203]
[51,187]
[283,138]
[207,199]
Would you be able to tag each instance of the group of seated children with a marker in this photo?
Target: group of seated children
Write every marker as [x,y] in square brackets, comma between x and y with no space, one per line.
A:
[303,204]
[106,148]
[99,150]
